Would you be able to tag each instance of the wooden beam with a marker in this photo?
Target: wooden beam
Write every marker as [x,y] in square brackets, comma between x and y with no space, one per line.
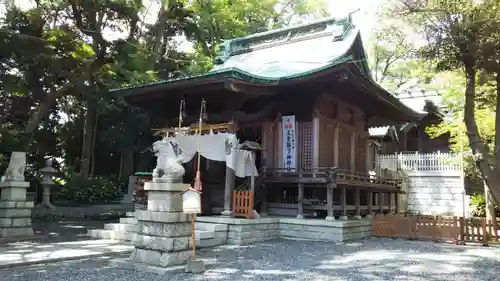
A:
[248,89]
[230,127]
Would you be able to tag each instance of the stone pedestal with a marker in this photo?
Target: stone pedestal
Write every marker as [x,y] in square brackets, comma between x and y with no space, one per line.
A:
[15,211]
[164,231]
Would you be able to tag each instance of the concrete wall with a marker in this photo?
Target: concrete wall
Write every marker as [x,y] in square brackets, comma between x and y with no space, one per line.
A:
[436,193]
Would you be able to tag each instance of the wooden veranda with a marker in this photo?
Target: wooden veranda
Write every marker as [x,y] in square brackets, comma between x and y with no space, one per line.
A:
[380,193]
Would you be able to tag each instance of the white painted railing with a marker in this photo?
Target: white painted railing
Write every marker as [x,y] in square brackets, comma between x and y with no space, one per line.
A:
[415,161]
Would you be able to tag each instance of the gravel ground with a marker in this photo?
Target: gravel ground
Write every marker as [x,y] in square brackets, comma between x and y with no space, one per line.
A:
[374,259]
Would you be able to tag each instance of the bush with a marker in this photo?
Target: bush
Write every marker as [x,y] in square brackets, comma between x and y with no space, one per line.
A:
[76,189]
[477,205]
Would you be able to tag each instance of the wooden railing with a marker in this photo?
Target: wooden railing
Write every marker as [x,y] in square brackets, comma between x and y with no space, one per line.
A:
[243,203]
[431,162]
[437,228]
[329,175]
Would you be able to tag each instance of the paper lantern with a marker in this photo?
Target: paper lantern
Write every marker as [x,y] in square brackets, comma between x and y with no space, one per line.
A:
[191,202]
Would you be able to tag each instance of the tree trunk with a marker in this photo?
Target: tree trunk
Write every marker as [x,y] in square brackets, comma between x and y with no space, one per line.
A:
[161,24]
[479,148]
[94,138]
[87,140]
[36,118]
[497,122]
[490,208]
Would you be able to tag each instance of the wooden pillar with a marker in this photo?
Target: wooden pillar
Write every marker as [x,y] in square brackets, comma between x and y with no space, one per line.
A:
[396,203]
[381,202]
[336,146]
[300,201]
[343,202]
[390,202]
[263,189]
[357,198]
[315,143]
[229,184]
[353,152]
[370,204]
[228,192]
[252,177]
[329,201]
[370,156]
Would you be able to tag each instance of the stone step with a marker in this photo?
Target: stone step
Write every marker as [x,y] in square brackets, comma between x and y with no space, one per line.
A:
[111,234]
[203,234]
[202,243]
[122,227]
[132,221]
[130,214]
[206,226]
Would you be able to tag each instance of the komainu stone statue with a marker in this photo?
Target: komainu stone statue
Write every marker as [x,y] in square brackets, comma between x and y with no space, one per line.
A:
[169,160]
[15,170]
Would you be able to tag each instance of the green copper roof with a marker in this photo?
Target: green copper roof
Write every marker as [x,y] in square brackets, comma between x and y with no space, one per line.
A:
[290,52]
[282,54]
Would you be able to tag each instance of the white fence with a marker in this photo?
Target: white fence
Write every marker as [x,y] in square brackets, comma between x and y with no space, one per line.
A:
[431,162]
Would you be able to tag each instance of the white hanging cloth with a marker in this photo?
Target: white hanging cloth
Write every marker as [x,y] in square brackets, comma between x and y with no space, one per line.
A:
[211,146]
[218,147]
[242,163]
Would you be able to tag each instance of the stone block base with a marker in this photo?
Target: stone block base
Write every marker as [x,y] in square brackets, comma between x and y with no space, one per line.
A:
[195,266]
[15,218]
[16,232]
[324,230]
[157,258]
[138,266]
[251,233]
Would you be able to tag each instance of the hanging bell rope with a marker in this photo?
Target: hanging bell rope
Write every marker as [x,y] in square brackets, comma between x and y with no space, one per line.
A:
[197,181]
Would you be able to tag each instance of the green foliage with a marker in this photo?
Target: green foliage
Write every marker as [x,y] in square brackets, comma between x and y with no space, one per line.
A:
[73,188]
[392,55]
[477,205]
[58,61]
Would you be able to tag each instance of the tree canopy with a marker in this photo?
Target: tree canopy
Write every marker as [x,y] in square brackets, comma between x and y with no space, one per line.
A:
[59,59]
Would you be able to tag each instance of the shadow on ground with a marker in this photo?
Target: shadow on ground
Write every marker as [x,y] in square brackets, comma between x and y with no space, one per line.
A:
[374,259]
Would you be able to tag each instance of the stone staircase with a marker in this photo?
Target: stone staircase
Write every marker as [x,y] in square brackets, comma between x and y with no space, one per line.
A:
[125,230]
[207,234]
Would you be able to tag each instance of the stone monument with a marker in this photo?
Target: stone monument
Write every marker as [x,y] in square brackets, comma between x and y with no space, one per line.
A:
[162,243]
[15,211]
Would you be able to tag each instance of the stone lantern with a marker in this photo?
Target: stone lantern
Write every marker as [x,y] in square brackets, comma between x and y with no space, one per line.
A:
[47,173]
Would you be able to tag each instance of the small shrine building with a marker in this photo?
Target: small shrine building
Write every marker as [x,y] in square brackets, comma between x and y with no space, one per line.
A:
[306,96]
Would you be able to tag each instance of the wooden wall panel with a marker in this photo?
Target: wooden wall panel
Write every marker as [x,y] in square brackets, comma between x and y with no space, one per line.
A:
[361,153]
[305,145]
[326,142]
